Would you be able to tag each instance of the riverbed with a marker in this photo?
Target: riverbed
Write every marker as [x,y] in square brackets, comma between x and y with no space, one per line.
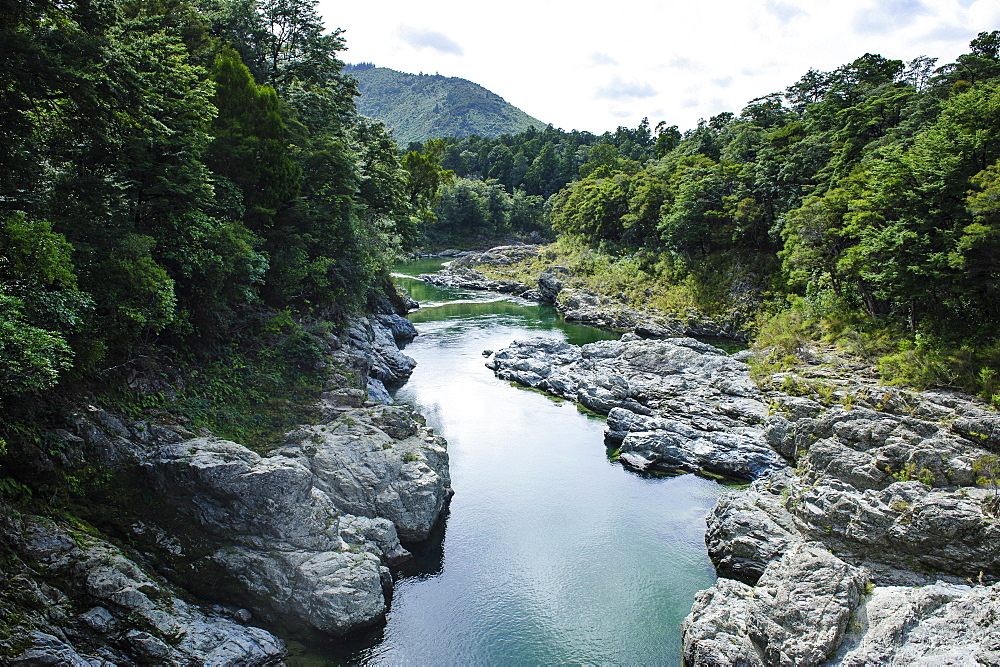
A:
[550,552]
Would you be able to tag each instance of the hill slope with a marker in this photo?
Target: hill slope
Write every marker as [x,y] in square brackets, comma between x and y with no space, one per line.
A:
[417,107]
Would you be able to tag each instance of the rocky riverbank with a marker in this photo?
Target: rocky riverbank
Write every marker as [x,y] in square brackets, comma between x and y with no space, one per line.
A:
[867,536]
[299,539]
[877,548]
[677,404]
[552,285]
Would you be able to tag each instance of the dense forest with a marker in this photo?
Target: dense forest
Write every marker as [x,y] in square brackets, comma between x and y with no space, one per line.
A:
[497,188]
[186,181]
[861,204]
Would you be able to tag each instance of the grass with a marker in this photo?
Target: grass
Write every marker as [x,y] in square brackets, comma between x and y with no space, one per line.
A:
[662,284]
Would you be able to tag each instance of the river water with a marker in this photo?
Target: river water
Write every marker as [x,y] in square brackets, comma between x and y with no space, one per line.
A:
[549,553]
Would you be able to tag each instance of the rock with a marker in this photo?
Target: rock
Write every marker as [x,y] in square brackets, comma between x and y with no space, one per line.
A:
[371,348]
[99,620]
[332,592]
[309,526]
[402,329]
[377,393]
[585,306]
[979,427]
[675,404]
[678,446]
[715,632]
[549,286]
[139,619]
[635,461]
[937,624]
[797,614]
[498,256]
[748,530]
[378,462]
[362,531]
[906,524]
[889,485]
[46,649]
[802,605]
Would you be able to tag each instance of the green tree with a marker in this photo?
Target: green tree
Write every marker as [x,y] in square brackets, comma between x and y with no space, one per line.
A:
[250,144]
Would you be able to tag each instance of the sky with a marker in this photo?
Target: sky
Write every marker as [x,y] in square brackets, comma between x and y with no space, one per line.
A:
[598,65]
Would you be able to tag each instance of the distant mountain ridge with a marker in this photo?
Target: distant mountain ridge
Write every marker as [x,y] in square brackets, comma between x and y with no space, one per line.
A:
[417,107]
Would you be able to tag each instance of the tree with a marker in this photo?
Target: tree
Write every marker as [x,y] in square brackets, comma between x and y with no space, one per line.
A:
[250,144]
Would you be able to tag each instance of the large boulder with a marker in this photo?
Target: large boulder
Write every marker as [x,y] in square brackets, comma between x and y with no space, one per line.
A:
[797,614]
[96,604]
[303,535]
[675,404]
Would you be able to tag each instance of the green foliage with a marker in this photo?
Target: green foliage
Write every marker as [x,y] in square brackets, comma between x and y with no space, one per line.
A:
[988,468]
[469,212]
[250,144]
[909,472]
[159,184]
[31,358]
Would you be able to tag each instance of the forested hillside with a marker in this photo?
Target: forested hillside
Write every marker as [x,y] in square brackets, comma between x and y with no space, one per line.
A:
[859,204]
[498,186]
[418,107]
[183,180]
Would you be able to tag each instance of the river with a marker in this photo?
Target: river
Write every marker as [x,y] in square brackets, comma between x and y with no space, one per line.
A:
[549,553]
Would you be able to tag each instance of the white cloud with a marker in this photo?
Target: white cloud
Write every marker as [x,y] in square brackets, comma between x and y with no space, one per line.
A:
[784,11]
[887,15]
[598,58]
[421,38]
[577,65]
[618,89]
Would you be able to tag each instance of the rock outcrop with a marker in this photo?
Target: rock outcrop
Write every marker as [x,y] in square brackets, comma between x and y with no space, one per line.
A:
[890,487]
[676,404]
[303,535]
[588,307]
[299,537]
[798,614]
[92,603]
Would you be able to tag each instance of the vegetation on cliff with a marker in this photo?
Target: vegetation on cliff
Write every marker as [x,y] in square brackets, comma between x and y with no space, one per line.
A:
[188,194]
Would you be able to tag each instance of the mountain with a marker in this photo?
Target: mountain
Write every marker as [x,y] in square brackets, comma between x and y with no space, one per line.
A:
[417,107]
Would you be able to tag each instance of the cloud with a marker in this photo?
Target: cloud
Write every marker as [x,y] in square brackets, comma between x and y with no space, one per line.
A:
[948,33]
[619,89]
[783,11]
[598,58]
[684,63]
[723,81]
[421,38]
[885,15]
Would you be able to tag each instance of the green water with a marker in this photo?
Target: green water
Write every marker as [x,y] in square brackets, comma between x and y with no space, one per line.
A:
[549,552]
